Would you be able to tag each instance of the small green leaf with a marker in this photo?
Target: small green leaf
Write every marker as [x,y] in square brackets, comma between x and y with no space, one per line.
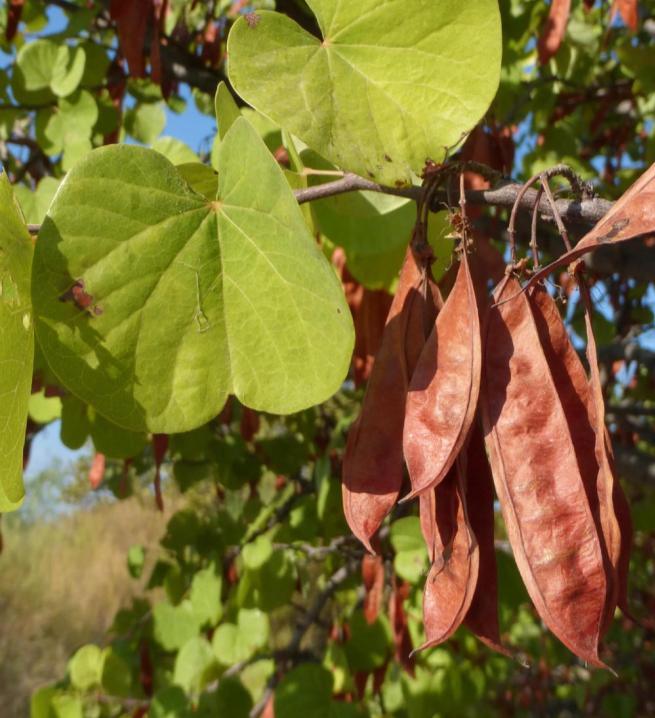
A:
[67,74]
[206,596]
[67,706]
[253,629]
[226,109]
[16,344]
[35,203]
[175,151]
[187,300]
[85,667]
[389,85]
[257,553]
[75,424]
[194,665]
[145,122]
[225,644]
[116,678]
[304,691]
[43,409]
[170,702]
[41,702]
[230,699]
[136,557]
[369,643]
[174,626]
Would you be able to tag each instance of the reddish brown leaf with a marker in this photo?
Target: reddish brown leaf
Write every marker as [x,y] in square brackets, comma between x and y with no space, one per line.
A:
[573,387]
[372,464]
[131,18]
[14,12]
[629,12]
[443,392]
[159,449]
[97,471]
[373,577]
[482,616]
[633,215]
[542,494]
[451,583]
[554,30]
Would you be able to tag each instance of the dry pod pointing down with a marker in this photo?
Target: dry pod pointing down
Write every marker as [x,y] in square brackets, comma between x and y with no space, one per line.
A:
[443,393]
[373,461]
[453,577]
[541,491]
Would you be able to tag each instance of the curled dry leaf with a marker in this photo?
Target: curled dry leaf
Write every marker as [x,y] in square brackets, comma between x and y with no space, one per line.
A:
[538,481]
[553,30]
[633,215]
[443,392]
[373,577]
[451,583]
[373,464]
[482,616]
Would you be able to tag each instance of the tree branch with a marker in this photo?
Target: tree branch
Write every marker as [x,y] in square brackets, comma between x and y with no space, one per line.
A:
[587,212]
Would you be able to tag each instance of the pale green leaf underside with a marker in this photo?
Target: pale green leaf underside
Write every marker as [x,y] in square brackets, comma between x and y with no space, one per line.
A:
[191,299]
[16,344]
[392,84]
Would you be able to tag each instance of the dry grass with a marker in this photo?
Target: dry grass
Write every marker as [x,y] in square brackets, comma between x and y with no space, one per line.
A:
[60,585]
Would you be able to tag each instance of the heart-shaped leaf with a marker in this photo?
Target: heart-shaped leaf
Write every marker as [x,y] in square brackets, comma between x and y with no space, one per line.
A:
[154,303]
[390,85]
[16,344]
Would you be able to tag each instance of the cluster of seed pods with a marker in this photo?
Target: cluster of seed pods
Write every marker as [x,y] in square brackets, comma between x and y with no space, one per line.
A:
[475,392]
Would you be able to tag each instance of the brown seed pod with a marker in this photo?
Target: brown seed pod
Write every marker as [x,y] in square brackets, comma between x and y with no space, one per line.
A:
[482,616]
[443,392]
[554,30]
[451,583]
[538,481]
[372,464]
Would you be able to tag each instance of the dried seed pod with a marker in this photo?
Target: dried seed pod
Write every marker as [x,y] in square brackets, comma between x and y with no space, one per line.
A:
[373,578]
[443,392]
[554,30]
[482,616]
[572,384]
[372,463]
[451,583]
[538,481]
[607,483]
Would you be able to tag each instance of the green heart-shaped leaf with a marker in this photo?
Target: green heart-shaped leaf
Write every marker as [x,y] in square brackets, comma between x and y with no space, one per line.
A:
[16,344]
[154,303]
[390,85]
